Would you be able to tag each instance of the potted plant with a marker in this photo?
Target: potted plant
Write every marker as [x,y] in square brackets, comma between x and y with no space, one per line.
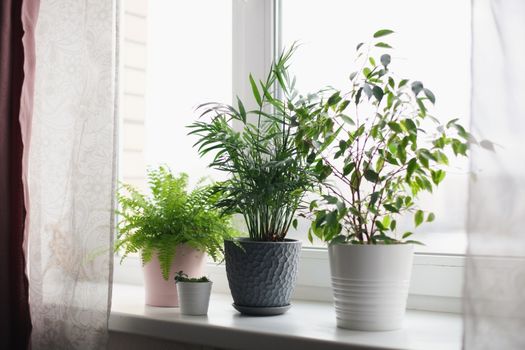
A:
[375,148]
[194,294]
[173,229]
[267,181]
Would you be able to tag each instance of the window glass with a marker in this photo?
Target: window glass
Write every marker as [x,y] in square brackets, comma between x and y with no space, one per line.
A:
[175,55]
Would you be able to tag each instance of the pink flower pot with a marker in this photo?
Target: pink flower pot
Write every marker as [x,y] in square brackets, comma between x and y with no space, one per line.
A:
[160,292]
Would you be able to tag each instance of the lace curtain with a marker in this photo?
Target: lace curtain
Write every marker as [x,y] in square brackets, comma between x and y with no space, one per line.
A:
[495,269]
[72,174]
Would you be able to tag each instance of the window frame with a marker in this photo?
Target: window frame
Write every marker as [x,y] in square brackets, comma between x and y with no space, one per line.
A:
[437,279]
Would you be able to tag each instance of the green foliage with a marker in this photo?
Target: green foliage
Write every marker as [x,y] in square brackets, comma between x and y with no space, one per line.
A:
[182,277]
[380,143]
[169,217]
[267,176]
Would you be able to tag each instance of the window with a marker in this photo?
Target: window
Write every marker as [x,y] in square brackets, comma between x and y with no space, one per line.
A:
[175,55]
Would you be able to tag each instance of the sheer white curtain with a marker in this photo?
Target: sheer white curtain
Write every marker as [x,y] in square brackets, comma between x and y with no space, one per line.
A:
[72,174]
[495,273]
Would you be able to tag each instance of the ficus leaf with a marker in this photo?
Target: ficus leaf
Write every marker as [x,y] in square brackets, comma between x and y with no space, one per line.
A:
[430,95]
[383,45]
[418,217]
[385,60]
[383,32]
[371,175]
[417,86]
[378,93]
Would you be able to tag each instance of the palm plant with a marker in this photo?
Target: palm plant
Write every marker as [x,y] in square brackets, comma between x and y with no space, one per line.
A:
[268,178]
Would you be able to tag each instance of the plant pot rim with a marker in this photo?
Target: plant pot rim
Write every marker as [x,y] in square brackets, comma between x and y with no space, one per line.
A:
[249,240]
[373,246]
[186,282]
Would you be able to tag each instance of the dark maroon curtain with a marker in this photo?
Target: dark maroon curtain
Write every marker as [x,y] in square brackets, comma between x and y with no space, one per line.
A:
[15,321]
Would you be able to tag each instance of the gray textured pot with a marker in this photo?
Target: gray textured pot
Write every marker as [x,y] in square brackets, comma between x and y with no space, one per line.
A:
[262,275]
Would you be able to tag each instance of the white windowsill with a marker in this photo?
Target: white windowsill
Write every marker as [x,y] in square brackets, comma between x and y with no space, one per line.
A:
[307,325]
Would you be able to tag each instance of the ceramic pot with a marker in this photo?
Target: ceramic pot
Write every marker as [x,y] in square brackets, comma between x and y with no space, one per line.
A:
[161,292]
[370,285]
[194,297]
[262,275]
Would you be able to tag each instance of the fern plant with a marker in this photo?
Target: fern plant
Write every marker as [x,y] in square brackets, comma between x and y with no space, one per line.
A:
[267,176]
[168,217]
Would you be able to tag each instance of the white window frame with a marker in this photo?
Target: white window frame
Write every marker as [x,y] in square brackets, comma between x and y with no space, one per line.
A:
[437,279]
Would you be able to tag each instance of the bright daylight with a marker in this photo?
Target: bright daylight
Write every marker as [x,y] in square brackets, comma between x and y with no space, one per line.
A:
[255,174]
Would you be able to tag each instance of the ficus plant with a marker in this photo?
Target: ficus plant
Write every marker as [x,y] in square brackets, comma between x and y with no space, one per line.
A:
[267,176]
[170,216]
[374,148]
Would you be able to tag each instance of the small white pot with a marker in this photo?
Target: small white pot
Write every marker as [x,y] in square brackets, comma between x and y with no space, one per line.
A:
[370,285]
[194,297]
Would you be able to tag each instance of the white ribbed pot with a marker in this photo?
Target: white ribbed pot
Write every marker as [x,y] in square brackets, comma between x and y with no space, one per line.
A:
[194,297]
[370,285]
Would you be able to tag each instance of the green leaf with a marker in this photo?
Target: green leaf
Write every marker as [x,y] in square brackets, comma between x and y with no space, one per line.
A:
[452,122]
[343,105]
[410,125]
[437,176]
[242,110]
[393,225]
[418,217]
[347,168]
[407,234]
[395,127]
[358,96]
[294,224]
[402,83]
[334,99]
[379,225]
[359,46]
[368,90]
[411,167]
[346,119]
[431,217]
[390,208]
[255,91]
[383,32]
[383,45]
[338,239]
[417,86]
[385,60]
[373,198]
[378,93]
[430,95]
[441,158]
[371,175]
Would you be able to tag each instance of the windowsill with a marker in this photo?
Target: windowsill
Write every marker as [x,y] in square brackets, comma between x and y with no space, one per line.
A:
[307,325]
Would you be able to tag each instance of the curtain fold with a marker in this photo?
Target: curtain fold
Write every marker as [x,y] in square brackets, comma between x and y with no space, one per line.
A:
[17,20]
[494,291]
[72,175]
